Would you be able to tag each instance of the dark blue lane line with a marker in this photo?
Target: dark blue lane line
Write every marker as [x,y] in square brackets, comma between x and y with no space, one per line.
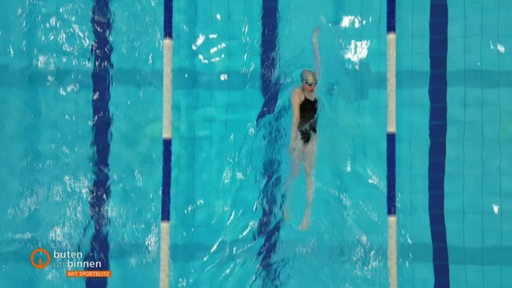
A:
[269,84]
[437,133]
[101,49]
[271,202]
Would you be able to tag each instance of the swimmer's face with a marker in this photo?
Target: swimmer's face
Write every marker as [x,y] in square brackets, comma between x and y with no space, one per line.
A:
[309,86]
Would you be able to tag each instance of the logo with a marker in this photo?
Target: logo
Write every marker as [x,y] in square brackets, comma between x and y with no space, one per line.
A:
[40,264]
[72,261]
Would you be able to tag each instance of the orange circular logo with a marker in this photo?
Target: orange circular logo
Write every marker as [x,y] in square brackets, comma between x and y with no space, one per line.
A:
[40,264]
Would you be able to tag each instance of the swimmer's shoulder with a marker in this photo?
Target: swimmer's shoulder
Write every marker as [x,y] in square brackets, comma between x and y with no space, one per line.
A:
[297,93]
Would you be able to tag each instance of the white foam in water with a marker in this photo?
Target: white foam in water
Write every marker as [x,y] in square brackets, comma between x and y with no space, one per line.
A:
[355,21]
[152,243]
[357,50]
[199,41]
[499,46]
[496,208]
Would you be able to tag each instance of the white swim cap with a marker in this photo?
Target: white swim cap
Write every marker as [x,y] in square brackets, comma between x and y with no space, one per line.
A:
[308,76]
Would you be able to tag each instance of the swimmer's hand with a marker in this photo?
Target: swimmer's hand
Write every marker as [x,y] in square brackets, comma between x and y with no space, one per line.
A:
[294,142]
[294,145]
[315,33]
[292,148]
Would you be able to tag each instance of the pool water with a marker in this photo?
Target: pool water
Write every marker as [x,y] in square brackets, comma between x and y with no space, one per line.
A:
[220,150]
[478,133]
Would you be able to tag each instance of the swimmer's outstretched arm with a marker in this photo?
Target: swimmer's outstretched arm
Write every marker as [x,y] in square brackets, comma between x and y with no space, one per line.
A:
[317,52]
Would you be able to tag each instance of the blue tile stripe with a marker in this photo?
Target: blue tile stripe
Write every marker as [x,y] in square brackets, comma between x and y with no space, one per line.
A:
[437,134]
[269,225]
[269,39]
[101,49]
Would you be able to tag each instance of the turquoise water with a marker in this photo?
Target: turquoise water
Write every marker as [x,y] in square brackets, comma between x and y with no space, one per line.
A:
[217,191]
[478,139]
[46,133]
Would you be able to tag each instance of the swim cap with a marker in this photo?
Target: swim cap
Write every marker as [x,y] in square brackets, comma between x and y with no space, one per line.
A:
[308,75]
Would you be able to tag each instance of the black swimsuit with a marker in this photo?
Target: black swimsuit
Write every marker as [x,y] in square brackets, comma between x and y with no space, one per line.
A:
[307,121]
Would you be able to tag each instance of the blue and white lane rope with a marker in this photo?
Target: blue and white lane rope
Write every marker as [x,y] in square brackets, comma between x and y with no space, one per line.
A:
[391,143]
[165,227]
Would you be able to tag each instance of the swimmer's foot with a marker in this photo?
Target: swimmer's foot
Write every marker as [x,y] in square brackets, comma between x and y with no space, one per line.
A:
[286,215]
[305,224]
[305,221]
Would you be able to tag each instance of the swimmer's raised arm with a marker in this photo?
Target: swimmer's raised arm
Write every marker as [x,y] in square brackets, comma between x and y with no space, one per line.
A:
[317,51]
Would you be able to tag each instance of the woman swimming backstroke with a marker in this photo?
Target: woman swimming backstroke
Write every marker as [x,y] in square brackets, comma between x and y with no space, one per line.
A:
[304,137]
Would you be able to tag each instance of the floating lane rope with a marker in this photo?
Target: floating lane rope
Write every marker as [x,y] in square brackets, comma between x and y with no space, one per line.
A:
[391,142]
[165,226]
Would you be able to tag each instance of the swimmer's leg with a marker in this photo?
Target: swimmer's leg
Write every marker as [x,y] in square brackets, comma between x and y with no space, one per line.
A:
[309,161]
[309,198]
[296,158]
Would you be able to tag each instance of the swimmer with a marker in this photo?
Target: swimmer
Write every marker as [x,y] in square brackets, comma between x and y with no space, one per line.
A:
[303,140]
